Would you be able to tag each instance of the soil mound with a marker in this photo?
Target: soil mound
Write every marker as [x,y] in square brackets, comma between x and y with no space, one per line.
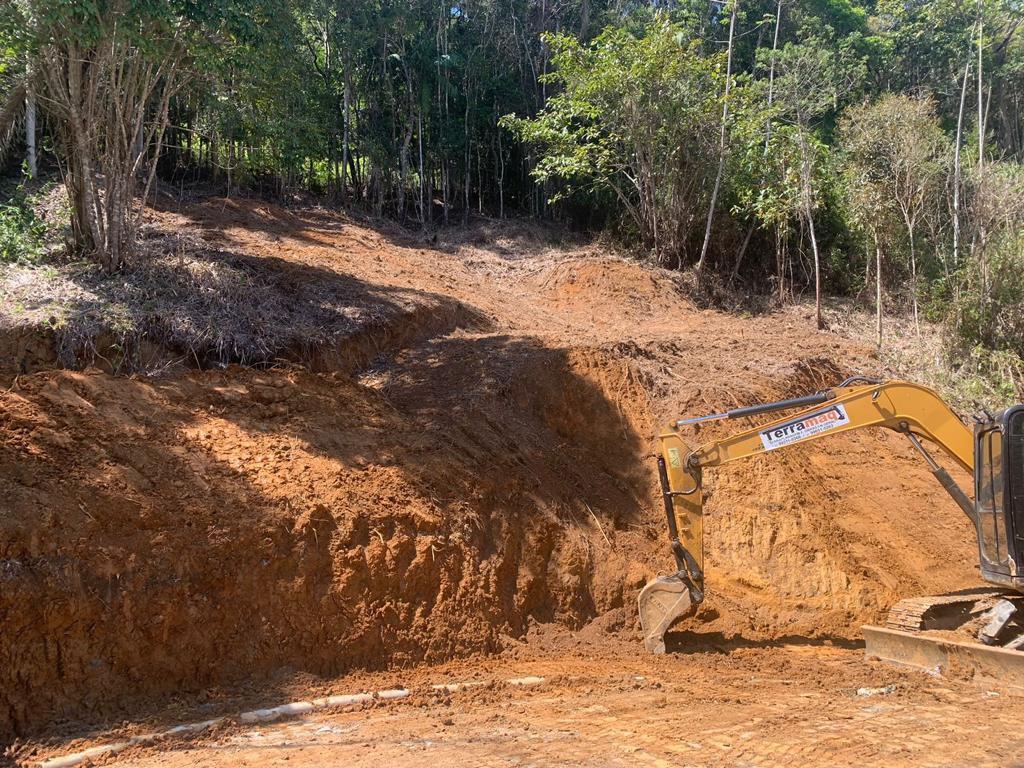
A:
[183,303]
[611,289]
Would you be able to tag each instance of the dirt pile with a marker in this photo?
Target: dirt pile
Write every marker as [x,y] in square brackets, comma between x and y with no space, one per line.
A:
[610,292]
[434,488]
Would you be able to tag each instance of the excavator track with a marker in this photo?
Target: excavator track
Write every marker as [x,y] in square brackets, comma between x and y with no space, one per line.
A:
[977,623]
[941,655]
[940,611]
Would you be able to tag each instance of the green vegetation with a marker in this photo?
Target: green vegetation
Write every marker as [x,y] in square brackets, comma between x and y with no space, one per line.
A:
[989,309]
[22,233]
[844,147]
[633,124]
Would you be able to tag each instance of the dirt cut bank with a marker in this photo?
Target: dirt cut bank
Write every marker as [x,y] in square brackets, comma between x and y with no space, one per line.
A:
[436,494]
[163,535]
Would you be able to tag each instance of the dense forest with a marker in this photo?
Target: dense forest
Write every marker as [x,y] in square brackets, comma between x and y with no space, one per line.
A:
[869,149]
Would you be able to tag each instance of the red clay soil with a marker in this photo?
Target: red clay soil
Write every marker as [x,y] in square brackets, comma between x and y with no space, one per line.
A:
[604,705]
[163,535]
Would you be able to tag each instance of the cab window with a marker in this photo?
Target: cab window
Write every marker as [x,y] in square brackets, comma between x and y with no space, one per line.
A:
[1015,476]
[990,499]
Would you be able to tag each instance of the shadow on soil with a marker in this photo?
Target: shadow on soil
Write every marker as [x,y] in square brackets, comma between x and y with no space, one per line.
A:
[214,214]
[182,301]
[167,537]
[702,642]
[507,239]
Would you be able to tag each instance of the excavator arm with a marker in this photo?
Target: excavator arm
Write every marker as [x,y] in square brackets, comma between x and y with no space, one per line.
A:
[913,410]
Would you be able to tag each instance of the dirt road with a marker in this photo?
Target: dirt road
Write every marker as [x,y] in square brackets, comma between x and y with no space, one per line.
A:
[459,470]
[777,705]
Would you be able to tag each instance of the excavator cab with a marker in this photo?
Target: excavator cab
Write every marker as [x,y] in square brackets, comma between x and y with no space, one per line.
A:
[999,497]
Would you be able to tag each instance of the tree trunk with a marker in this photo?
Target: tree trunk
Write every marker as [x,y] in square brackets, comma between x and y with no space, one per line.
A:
[981,108]
[30,136]
[98,99]
[468,169]
[806,182]
[419,132]
[584,20]
[913,280]
[743,250]
[721,143]
[139,145]
[501,178]
[332,144]
[780,263]
[404,170]
[878,293]
[444,192]
[214,154]
[956,166]
[817,269]
[771,77]
[345,159]
[430,197]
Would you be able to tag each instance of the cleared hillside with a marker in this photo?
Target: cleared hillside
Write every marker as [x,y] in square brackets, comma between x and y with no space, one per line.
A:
[466,456]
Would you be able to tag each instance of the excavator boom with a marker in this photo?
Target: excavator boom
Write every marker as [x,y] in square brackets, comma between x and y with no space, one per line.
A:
[913,410]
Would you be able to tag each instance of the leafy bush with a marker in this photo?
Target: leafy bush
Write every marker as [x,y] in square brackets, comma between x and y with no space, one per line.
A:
[985,333]
[21,231]
[989,310]
[636,119]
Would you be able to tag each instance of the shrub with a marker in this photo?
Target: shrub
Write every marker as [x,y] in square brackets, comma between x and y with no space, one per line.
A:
[985,333]
[989,310]
[21,231]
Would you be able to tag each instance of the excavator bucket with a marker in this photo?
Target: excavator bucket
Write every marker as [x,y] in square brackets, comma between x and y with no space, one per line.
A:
[662,602]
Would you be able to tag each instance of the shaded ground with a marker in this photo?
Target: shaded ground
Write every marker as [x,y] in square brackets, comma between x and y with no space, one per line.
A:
[416,492]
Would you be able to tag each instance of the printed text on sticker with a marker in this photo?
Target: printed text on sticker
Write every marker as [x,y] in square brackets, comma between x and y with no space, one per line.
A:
[820,421]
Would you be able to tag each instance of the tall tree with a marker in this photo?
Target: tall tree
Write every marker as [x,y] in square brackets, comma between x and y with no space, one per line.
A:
[721,139]
[105,73]
[811,81]
[897,155]
[632,119]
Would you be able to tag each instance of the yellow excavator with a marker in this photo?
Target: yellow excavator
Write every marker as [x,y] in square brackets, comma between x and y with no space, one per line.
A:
[993,451]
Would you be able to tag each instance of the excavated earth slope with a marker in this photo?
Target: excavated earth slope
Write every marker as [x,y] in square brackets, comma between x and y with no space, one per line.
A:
[411,497]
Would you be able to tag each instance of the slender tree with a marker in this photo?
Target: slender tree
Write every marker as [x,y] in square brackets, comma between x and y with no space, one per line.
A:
[721,141]
[957,174]
[812,80]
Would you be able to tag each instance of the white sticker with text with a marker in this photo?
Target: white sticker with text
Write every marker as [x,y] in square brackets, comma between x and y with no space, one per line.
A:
[815,423]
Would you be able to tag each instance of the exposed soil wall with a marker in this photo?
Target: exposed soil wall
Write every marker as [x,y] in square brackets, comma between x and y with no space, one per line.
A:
[449,475]
[163,536]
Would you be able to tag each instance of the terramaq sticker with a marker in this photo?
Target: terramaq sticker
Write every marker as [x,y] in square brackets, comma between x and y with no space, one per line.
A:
[798,429]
